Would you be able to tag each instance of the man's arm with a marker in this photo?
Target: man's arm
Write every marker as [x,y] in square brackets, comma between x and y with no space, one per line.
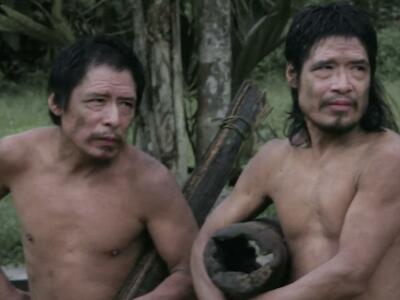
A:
[172,228]
[246,199]
[370,227]
[9,292]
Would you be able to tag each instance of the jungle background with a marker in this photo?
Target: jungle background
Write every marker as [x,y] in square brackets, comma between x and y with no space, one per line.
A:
[196,54]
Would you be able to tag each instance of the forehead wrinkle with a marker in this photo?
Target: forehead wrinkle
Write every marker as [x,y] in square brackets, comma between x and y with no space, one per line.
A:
[343,40]
[109,73]
[104,87]
[333,48]
[106,94]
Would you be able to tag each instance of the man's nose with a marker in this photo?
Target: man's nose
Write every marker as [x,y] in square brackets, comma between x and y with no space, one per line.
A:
[111,116]
[342,83]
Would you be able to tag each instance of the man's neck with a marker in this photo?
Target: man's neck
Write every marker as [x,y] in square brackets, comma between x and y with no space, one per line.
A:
[323,142]
[75,160]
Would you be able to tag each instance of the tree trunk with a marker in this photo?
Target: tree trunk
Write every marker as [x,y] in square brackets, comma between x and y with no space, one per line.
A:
[144,133]
[214,80]
[204,185]
[160,85]
[162,119]
[178,89]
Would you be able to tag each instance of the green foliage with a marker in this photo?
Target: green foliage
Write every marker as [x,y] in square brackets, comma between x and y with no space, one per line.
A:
[272,65]
[11,246]
[32,31]
[392,88]
[278,97]
[22,107]
[60,31]
[259,30]
[389,54]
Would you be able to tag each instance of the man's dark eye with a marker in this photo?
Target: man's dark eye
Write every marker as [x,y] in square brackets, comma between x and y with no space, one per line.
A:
[95,100]
[360,68]
[127,103]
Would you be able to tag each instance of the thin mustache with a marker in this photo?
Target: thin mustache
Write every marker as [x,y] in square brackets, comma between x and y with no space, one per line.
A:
[330,100]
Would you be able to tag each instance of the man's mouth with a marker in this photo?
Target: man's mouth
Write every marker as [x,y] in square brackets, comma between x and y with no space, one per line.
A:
[340,105]
[107,141]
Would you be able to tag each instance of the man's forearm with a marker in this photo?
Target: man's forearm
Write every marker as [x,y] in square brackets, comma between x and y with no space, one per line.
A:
[320,284]
[6,288]
[205,289]
[176,286]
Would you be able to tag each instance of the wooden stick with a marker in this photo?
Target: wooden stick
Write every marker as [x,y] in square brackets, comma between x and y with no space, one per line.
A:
[205,184]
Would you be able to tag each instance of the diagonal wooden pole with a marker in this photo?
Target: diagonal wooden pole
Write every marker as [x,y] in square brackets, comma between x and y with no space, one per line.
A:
[205,184]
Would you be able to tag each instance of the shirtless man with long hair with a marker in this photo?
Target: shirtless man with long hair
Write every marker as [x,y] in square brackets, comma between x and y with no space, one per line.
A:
[335,181]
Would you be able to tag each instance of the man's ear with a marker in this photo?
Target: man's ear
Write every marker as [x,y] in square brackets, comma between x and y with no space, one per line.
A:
[291,76]
[53,106]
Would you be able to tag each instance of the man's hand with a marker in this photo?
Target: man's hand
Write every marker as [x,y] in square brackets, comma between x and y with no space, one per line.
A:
[9,292]
[19,295]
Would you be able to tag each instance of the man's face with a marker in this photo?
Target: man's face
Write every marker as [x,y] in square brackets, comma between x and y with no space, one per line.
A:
[333,85]
[100,112]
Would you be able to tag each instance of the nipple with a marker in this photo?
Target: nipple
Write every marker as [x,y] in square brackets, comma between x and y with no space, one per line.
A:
[29,237]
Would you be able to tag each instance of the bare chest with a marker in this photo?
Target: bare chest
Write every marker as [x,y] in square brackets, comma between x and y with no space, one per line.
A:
[86,215]
[312,200]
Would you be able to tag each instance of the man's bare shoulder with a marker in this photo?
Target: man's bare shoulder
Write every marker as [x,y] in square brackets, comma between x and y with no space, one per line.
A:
[263,166]
[275,148]
[17,151]
[154,183]
[272,153]
[18,148]
[382,157]
[148,166]
[386,145]
[149,173]
[27,137]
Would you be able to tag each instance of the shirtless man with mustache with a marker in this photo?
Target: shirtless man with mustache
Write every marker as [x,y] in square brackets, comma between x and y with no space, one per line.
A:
[85,198]
[335,181]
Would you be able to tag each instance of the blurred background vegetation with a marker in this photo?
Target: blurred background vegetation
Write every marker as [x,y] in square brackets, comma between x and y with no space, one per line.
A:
[32,31]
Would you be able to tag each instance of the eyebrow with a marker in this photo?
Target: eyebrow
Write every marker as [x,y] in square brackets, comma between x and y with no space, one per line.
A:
[96,95]
[321,63]
[325,62]
[360,62]
[133,99]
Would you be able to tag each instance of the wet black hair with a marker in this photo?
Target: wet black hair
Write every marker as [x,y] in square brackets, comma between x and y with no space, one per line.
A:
[73,62]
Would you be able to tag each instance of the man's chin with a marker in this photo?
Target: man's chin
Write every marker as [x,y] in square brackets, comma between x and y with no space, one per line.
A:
[105,154]
[338,129]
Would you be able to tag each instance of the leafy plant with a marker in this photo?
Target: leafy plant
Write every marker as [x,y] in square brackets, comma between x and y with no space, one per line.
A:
[58,33]
[260,29]
[11,246]
[389,55]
